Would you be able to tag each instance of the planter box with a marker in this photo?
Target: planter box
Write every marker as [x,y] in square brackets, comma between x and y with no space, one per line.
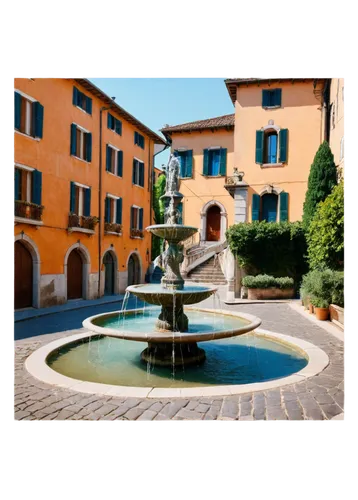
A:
[337,314]
[270,293]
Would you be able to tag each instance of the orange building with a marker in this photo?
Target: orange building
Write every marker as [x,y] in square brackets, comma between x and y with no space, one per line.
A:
[83,184]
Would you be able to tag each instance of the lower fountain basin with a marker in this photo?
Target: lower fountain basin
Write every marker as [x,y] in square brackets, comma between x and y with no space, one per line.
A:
[155,294]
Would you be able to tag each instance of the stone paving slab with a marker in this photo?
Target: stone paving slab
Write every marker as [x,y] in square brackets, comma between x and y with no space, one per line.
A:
[318,398]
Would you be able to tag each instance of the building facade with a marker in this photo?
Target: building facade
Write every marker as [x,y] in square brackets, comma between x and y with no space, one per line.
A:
[336,125]
[83,184]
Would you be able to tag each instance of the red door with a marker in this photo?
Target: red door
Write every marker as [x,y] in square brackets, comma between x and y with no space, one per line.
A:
[74,275]
[23,276]
[213,219]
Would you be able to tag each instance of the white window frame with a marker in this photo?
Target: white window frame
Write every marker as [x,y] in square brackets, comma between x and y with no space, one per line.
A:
[115,198]
[83,131]
[28,116]
[80,197]
[138,208]
[137,174]
[115,159]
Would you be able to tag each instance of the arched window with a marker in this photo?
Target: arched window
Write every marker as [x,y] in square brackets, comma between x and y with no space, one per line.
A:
[270,146]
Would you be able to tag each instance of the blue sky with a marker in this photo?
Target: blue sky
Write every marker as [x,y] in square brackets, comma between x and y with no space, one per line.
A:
[160,101]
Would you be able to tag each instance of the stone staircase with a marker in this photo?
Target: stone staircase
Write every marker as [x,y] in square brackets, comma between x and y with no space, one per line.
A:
[208,272]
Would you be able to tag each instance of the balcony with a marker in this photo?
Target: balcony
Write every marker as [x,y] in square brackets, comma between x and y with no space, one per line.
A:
[82,223]
[28,213]
[112,228]
[137,233]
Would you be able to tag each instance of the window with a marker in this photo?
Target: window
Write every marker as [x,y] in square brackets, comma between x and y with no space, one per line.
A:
[270,207]
[113,210]
[80,199]
[114,161]
[270,145]
[186,163]
[139,140]
[81,143]
[82,101]
[28,193]
[214,162]
[138,172]
[271,98]
[136,221]
[29,115]
[341,154]
[114,124]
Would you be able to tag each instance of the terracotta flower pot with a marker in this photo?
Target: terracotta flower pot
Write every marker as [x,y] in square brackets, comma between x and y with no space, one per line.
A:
[322,313]
[310,308]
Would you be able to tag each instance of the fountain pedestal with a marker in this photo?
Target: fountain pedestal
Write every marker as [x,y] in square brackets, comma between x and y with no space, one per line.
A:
[175,354]
[172,319]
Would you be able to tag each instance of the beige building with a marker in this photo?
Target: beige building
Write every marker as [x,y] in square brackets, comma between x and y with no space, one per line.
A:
[336,125]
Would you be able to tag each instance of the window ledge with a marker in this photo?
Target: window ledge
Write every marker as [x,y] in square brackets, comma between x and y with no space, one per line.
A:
[80,230]
[271,107]
[24,220]
[115,175]
[112,232]
[81,159]
[185,178]
[137,238]
[83,110]
[267,165]
[29,136]
[137,185]
[212,176]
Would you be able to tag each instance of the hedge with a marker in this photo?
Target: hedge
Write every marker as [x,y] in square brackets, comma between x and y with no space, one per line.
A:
[266,281]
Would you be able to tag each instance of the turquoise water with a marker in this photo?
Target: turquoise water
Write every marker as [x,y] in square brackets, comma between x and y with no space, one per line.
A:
[238,360]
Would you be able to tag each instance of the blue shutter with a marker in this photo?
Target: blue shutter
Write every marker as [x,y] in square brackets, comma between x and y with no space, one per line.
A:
[142,141]
[135,137]
[206,162]
[89,147]
[37,119]
[278,95]
[75,96]
[118,127]
[72,197]
[141,219]
[132,218]
[87,202]
[108,158]
[17,111]
[259,157]
[223,155]
[266,98]
[89,105]
[141,174]
[255,214]
[283,139]
[17,184]
[189,163]
[283,206]
[109,120]
[73,139]
[134,171]
[119,211]
[36,187]
[120,164]
[107,209]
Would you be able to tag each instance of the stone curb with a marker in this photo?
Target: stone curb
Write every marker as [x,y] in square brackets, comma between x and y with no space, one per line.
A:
[326,325]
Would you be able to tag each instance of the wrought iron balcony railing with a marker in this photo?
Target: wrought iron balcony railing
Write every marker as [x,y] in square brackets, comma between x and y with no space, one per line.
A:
[82,221]
[27,210]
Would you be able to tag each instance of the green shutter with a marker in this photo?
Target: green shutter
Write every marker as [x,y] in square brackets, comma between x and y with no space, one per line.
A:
[120,164]
[265,98]
[223,155]
[135,137]
[17,184]
[17,111]
[132,218]
[88,147]
[278,95]
[73,139]
[255,214]
[140,218]
[189,163]
[72,196]
[37,119]
[283,206]
[259,157]
[206,162]
[119,211]
[109,120]
[283,140]
[108,158]
[36,187]
[89,105]
[134,171]
[141,174]
[87,202]
[75,96]
[118,127]
[107,209]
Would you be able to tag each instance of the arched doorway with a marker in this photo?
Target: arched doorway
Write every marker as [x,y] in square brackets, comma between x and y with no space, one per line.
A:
[75,275]
[133,270]
[109,273]
[269,207]
[213,223]
[23,276]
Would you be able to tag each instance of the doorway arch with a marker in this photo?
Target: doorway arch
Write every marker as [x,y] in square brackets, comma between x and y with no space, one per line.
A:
[211,226]
[110,264]
[134,269]
[213,223]
[77,267]
[27,272]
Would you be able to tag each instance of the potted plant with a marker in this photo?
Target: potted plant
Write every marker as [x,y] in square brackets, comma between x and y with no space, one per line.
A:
[321,308]
[263,287]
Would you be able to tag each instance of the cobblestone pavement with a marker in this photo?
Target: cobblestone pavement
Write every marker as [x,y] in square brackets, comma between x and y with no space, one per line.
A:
[318,398]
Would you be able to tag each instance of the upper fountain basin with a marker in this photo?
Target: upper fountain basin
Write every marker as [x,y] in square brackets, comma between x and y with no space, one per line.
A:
[157,295]
[172,232]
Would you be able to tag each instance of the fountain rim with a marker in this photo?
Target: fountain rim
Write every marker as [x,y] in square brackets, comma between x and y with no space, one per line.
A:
[175,337]
[171,226]
[37,366]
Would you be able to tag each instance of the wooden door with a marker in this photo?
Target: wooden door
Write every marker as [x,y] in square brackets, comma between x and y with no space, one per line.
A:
[269,207]
[23,276]
[133,270]
[213,221]
[109,274]
[74,275]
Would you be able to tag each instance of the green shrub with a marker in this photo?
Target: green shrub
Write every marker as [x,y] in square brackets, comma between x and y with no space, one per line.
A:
[322,179]
[317,302]
[266,281]
[325,285]
[275,248]
[325,236]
